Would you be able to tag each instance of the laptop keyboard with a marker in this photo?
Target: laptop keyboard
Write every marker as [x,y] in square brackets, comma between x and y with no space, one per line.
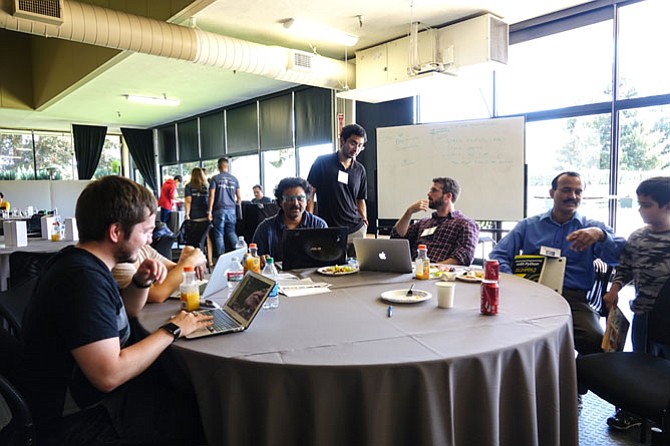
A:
[221,321]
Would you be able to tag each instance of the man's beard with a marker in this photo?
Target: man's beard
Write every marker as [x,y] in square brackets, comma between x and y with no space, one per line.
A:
[435,204]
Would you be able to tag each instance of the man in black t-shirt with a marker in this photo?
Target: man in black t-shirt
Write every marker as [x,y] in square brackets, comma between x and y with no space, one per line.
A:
[84,381]
[340,184]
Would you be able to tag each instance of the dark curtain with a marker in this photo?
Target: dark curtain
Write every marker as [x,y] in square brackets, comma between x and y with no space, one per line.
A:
[275,122]
[313,117]
[88,142]
[141,147]
[371,117]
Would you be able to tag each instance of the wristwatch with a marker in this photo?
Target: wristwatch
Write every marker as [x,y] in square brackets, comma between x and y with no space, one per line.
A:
[173,329]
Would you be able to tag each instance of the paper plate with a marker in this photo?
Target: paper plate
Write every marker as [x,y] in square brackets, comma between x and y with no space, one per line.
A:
[332,271]
[469,278]
[401,297]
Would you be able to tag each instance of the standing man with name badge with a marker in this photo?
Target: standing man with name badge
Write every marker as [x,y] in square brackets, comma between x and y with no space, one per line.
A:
[340,182]
[224,196]
[450,236]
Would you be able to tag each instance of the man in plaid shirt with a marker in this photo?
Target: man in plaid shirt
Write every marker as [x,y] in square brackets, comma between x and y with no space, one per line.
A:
[450,236]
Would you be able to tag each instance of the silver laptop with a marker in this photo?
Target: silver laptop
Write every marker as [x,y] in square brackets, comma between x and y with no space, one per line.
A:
[217,280]
[240,308]
[382,254]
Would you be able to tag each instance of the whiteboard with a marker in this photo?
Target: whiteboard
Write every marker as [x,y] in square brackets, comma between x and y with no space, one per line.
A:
[486,157]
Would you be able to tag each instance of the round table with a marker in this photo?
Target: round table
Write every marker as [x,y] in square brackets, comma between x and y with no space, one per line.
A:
[334,369]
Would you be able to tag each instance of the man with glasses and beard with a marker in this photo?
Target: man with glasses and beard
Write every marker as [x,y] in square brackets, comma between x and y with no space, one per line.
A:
[580,240]
[291,195]
[449,236]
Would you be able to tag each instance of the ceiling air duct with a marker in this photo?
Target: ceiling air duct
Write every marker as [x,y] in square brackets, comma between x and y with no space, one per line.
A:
[46,11]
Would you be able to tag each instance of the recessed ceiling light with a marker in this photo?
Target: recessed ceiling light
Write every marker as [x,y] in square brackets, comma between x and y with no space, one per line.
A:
[152,100]
[309,30]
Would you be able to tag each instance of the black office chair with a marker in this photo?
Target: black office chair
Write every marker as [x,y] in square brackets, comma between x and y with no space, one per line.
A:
[24,266]
[194,233]
[164,244]
[636,382]
[13,303]
[594,297]
[252,215]
[19,429]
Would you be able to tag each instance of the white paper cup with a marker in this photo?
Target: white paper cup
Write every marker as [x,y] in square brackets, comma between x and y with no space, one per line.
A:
[445,294]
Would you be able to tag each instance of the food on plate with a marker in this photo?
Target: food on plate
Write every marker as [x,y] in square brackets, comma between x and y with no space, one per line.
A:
[474,274]
[339,269]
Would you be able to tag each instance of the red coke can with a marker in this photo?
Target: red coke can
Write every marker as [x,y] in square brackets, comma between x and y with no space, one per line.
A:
[490,298]
[491,270]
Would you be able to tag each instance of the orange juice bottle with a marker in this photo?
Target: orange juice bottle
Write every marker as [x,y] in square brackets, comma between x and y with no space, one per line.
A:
[189,291]
[253,262]
[422,268]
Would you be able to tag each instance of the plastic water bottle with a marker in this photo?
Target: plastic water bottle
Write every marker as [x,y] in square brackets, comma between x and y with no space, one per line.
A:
[422,263]
[352,263]
[189,291]
[270,271]
[235,273]
[241,243]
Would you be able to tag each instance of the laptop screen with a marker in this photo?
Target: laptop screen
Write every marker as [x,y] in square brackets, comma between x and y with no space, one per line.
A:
[248,297]
[313,247]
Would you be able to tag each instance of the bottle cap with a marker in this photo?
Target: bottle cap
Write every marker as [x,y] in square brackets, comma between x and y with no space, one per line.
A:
[269,260]
[422,247]
[189,269]
[252,245]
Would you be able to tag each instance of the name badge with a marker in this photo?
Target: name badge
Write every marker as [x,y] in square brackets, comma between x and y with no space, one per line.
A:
[343,177]
[428,231]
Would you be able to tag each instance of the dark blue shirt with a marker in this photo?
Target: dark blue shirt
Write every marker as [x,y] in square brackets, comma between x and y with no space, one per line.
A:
[224,187]
[269,232]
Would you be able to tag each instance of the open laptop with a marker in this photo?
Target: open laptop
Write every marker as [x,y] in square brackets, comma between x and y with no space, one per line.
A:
[313,247]
[217,280]
[381,254]
[240,308]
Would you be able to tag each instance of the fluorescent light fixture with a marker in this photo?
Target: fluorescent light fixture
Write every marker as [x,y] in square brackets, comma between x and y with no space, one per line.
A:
[152,100]
[313,31]
[421,84]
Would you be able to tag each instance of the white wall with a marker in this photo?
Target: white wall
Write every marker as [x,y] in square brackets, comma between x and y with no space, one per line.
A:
[44,194]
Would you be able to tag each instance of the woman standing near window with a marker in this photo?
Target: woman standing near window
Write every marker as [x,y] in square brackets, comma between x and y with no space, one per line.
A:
[196,193]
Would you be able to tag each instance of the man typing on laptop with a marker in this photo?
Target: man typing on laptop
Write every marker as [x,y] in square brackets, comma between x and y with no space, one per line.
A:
[291,195]
[450,236]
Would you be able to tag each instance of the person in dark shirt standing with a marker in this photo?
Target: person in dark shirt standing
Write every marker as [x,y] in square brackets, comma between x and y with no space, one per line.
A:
[224,197]
[340,184]
[196,196]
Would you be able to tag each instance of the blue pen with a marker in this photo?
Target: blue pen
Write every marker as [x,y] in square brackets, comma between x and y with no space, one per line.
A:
[390,311]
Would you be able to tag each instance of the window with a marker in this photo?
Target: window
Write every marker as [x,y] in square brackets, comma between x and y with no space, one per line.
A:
[211,167]
[307,155]
[644,152]
[579,144]
[247,171]
[277,164]
[110,158]
[16,156]
[54,156]
[643,72]
[560,70]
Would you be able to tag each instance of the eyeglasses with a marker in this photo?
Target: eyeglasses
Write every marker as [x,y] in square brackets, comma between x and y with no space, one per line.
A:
[294,197]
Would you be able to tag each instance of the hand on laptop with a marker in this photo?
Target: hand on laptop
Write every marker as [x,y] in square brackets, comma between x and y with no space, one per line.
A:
[191,322]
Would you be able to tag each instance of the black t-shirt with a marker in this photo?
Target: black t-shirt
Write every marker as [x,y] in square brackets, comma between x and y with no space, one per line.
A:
[76,302]
[337,199]
[199,200]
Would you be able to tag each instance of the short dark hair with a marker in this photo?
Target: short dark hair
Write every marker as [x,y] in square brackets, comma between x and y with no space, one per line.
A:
[177,178]
[658,188]
[353,129]
[449,185]
[112,199]
[554,182]
[258,186]
[221,161]
[288,183]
